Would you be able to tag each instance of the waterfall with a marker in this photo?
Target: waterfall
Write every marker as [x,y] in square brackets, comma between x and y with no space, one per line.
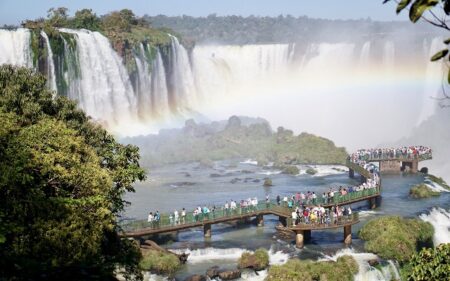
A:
[218,70]
[144,82]
[152,86]
[389,270]
[15,47]
[159,88]
[51,77]
[183,92]
[434,72]
[440,219]
[389,56]
[106,91]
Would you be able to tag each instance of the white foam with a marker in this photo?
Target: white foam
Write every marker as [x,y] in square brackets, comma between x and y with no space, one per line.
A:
[368,213]
[269,173]
[440,219]
[250,162]
[366,271]
[210,254]
[323,170]
[154,277]
[434,186]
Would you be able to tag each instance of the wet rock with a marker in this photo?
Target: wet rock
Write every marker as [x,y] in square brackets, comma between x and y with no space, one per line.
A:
[373,262]
[212,272]
[196,277]
[424,170]
[235,180]
[230,274]
[268,182]
[215,175]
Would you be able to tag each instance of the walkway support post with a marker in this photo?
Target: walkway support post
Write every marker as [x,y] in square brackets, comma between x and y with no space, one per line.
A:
[207,230]
[260,220]
[283,221]
[299,239]
[348,234]
[351,173]
[373,203]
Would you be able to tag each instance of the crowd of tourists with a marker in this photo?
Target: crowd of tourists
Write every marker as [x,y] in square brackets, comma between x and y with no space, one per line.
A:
[407,152]
[319,215]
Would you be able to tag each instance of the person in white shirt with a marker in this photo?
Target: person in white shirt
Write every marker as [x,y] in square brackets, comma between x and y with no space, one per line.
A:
[175,216]
[294,217]
[150,217]
[183,216]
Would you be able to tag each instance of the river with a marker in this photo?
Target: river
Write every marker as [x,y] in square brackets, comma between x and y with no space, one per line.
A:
[190,185]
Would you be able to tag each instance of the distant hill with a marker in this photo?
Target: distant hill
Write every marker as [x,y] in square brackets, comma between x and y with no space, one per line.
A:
[238,137]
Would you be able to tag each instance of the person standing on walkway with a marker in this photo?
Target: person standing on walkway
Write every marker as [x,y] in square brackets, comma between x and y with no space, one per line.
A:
[183,215]
[278,200]
[176,217]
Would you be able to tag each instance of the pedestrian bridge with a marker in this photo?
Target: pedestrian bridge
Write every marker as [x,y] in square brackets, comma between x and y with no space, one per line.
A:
[139,228]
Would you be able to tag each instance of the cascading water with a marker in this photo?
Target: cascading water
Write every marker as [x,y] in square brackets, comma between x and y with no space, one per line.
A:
[106,90]
[440,219]
[219,80]
[183,95]
[151,90]
[51,77]
[15,47]
[389,271]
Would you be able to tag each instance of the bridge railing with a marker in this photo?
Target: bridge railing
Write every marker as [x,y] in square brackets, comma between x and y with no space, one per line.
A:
[166,222]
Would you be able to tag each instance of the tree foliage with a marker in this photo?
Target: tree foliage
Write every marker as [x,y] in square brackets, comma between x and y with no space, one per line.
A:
[431,264]
[62,179]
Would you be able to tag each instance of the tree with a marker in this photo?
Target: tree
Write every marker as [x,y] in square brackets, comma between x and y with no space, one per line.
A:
[62,179]
[57,16]
[434,12]
[85,18]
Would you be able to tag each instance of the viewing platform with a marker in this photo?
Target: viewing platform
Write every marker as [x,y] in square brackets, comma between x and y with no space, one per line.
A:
[369,190]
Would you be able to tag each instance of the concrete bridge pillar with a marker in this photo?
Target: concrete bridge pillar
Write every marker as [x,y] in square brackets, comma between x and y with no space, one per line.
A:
[260,220]
[283,221]
[299,239]
[372,203]
[351,173]
[348,234]
[207,230]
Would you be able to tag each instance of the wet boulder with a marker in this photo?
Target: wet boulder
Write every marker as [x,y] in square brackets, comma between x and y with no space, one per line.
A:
[230,274]
[196,277]
[213,272]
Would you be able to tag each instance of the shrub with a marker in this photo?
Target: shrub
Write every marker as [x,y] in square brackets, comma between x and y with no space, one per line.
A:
[296,270]
[422,191]
[291,170]
[311,171]
[393,237]
[258,260]
[159,262]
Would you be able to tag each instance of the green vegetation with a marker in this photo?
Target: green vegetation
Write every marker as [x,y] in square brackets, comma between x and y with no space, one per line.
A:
[296,270]
[62,181]
[257,261]
[232,139]
[393,237]
[125,31]
[311,171]
[429,264]
[159,262]
[422,191]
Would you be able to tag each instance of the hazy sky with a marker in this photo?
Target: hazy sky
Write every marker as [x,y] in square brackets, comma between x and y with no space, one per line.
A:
[14,11]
